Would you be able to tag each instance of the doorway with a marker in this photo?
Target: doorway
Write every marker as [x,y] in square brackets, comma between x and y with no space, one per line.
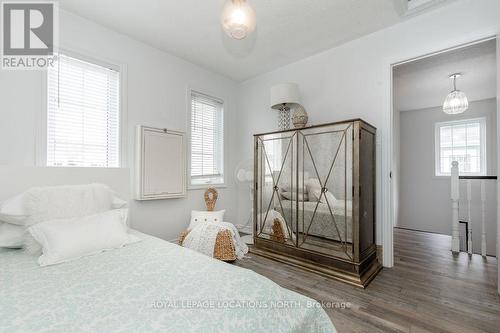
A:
[429,134]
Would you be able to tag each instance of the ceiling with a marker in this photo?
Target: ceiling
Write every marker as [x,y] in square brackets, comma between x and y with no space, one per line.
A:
[287,30]
[424,83]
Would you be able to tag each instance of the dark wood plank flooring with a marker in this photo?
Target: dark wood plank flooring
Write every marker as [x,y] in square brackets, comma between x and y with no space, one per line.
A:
[428,290]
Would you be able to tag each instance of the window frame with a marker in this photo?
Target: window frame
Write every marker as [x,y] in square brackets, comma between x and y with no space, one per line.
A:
[483,146]
[41,117]
[189,102]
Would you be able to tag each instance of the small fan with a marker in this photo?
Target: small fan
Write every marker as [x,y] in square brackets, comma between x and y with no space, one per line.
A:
[243,175]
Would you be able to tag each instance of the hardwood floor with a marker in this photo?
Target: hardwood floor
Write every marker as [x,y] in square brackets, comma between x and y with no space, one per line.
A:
[428,290]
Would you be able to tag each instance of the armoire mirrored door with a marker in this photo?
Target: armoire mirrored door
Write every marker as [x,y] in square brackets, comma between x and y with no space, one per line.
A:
[276,165]
[325,174]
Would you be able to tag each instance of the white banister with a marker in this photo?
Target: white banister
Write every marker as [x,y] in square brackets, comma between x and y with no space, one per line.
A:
[469,216]
[455,196]
[483,217]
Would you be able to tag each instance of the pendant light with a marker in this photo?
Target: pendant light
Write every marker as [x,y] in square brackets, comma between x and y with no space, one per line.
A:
[456,102]
[238,18]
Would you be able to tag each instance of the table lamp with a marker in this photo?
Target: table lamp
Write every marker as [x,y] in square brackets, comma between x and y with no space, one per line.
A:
[283,97]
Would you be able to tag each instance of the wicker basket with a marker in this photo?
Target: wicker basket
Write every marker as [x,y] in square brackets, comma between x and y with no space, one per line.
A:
[211,196]
[224,246]
[278,232]
[182,236]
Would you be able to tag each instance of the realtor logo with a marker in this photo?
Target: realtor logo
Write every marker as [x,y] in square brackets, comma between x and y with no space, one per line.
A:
[29,34]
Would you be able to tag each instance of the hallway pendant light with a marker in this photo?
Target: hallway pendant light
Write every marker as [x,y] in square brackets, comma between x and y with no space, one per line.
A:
[456,102]
[238,18]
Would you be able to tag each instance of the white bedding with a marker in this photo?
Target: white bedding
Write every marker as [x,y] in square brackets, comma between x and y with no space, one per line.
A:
[322,225]
[150,286]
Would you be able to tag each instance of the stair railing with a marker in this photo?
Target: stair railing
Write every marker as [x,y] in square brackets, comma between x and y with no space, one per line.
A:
[455,197]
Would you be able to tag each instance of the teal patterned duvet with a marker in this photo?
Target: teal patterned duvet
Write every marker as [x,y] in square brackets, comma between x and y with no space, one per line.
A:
[150,286]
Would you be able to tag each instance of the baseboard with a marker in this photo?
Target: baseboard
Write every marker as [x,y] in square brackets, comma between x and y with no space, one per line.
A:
[352,277]
[427,232]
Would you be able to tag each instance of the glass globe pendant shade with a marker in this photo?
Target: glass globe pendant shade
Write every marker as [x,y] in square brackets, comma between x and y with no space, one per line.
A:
[238,18]
[456,102]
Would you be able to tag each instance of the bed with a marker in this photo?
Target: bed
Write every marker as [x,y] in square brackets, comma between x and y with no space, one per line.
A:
[322,225]
[148,286]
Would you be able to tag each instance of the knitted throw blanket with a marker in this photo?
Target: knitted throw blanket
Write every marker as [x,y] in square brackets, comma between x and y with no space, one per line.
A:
[202,238]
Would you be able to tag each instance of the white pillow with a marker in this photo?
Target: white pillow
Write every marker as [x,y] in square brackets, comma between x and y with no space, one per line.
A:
[287,187]
[14,210]
[63,202]
[69,239]
[312,183]
[198,217]
[45,203]
[314,190]
[60,202]
[292,195]
[315,194]
[11,235]
[39,204]
[117,203]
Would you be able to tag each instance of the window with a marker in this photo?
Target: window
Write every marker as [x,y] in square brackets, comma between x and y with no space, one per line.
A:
[207,140]
[463,141]
[83,114]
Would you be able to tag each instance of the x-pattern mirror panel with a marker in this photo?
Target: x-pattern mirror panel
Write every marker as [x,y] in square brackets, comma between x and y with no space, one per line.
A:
[276,163]
[325,170]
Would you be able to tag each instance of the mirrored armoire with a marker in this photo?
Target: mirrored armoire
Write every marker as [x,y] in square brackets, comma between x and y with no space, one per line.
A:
[314,199]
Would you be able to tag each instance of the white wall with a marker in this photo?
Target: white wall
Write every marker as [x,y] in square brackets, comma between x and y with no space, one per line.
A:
[353,80]
[424,198]
[156,95]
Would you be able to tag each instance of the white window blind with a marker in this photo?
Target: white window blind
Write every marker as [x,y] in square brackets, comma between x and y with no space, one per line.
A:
[463,141]
[207,140]
[83,114]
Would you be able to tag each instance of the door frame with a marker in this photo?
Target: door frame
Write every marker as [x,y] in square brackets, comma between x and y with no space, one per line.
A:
[387,162]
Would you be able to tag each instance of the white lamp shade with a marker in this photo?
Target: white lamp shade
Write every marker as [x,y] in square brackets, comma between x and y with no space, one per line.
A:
[285,93]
